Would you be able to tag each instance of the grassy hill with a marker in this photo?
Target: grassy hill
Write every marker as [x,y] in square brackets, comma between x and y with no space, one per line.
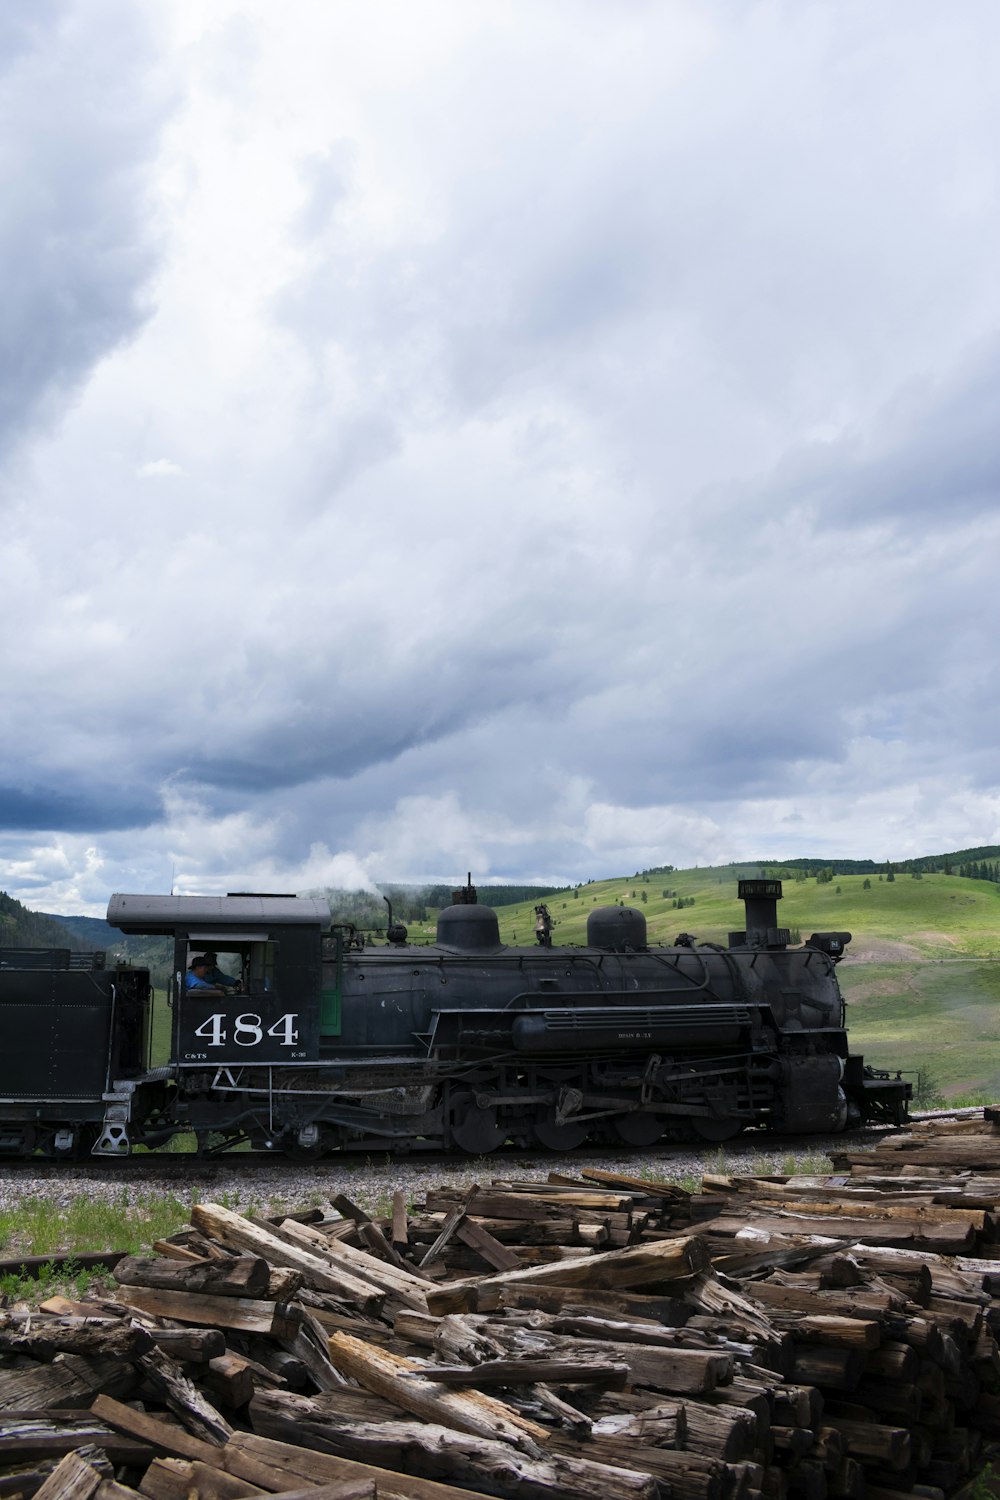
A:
[934,916]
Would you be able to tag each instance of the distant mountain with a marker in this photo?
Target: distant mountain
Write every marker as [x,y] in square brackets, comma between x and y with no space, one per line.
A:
[93,932]
[153,953]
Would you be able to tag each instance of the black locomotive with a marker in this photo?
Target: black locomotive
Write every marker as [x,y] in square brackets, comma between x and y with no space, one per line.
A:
[324,1039]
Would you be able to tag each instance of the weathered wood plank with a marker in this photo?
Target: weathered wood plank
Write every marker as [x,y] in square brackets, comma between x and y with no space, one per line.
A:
[233,1230]
[311,1347]
[75,1477]
[423,1448]
[397,1281]
[183,1397]
[243,1276]
[467,1411]
[190,1345]
[638,1265]
[71,1381]
[400,1224]
[478,1238]
[231,1380]
[243,1314]
[25,1437]
[156,1435]
[632,1307]
[271,1464]
[42,1337]
[448,1228]
[871,1442]
[528,1371]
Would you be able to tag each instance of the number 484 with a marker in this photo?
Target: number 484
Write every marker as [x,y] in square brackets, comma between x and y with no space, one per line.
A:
[248,1030]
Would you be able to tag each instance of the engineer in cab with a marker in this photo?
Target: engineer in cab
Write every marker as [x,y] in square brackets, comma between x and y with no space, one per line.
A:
[203,974]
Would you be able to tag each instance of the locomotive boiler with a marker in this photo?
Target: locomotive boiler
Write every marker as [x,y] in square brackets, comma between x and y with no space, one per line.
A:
[325,1039]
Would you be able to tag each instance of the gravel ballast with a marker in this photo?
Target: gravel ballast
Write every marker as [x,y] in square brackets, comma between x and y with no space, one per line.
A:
[371,1183]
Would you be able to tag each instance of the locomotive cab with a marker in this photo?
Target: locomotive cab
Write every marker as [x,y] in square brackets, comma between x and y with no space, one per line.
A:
[265,1008]
[270,1014]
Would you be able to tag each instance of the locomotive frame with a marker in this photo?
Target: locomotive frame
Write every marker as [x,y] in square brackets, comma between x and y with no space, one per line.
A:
[332,1041]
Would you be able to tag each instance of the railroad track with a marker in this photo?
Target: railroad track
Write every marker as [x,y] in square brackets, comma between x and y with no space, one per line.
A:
[501,1163]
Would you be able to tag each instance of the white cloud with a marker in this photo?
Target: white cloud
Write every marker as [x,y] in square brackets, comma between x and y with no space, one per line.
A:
[159,468]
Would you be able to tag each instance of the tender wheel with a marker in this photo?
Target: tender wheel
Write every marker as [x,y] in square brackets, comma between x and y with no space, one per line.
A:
[474,1129]
[638,1129]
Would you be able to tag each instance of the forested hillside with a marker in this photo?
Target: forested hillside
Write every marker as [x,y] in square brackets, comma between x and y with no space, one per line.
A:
[21,928]
[152,953]
[414,903]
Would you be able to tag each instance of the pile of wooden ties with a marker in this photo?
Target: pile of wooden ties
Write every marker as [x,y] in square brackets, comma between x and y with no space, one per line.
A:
[783,1338]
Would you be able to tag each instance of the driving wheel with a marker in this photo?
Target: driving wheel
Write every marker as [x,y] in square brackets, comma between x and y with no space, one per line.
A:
[639,1128]
[554,1136]
[473,1128]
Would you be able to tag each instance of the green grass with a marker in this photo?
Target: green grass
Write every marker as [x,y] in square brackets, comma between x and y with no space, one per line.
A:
[129,1222]
[160,1030]
[37,1226]
[939,1018]
[66,1278]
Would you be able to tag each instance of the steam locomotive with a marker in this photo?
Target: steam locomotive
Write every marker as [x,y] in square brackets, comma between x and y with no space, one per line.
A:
[325,1039]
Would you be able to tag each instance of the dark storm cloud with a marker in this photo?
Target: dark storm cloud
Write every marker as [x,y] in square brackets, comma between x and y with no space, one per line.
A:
[79,114]
[338,727]
[89,808]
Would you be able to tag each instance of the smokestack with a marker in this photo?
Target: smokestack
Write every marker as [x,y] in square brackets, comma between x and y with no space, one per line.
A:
[760,898]
[466,895]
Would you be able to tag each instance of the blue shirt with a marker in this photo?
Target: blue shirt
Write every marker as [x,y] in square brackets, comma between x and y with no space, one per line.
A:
[192,982]
[215,976]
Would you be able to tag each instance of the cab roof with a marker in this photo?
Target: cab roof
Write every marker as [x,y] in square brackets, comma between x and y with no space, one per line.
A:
[208,916]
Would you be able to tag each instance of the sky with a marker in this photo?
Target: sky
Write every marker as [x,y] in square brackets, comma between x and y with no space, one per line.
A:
[536,438]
